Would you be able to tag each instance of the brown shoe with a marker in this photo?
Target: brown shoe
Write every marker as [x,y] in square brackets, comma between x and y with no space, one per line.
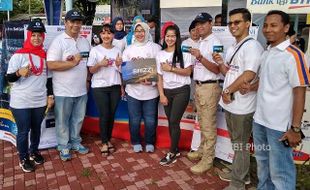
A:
[196,155]
[201,167]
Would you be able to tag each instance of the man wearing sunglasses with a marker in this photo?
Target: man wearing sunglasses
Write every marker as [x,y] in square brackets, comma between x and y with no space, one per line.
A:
[240,68]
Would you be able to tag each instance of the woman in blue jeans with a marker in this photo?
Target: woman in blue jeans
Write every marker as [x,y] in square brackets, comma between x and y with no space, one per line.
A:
[142,98]
[28,72]
[174,69]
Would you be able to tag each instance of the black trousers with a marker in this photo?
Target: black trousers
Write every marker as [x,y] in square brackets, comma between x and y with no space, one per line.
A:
[178,99]
[107,99]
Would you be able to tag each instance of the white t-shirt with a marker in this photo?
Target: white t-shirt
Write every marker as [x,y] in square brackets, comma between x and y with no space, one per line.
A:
[27,92]
[72,82]
[120,44]
[140,91]
[105,76]
[283,68]
[201,73]
[172,80]
[247,58]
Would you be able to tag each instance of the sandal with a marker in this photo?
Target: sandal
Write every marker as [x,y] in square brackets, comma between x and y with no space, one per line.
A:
[105,150]
[111,147]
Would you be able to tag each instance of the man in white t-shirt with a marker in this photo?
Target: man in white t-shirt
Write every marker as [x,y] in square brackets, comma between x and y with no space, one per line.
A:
[241,65]
[67,57]
[207,93]
[283,78]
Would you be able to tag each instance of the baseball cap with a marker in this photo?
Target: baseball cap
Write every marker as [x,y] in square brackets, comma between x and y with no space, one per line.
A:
[74,15]
[36,25]
[203,17]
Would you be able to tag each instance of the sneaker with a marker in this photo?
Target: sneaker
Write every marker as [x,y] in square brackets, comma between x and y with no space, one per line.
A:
[27,165]
[65,154]
[80,149]
[37,158]
[149,148]
[137,148]
[227,177]
[169,158]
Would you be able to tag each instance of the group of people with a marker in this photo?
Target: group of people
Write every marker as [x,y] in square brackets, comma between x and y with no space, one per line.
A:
[257,81]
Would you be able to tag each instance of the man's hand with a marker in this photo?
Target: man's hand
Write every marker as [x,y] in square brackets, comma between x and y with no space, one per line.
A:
[50,102]
[245,88]
[293,138]
[218,58]
[195,52]
[226,98]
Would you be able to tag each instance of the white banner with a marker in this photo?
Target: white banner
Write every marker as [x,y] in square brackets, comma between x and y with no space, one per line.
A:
[288,6]
[189,3]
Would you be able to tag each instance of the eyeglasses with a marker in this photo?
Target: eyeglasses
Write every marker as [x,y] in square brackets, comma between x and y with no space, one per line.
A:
[236,22]
[139,31]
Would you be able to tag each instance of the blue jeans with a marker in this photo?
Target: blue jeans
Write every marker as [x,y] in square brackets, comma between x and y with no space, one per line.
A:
[28,120]
[275,165]
[69,116]
[148,110]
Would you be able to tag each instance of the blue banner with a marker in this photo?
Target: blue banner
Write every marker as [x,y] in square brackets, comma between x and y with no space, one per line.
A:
[6,5]
[53,10]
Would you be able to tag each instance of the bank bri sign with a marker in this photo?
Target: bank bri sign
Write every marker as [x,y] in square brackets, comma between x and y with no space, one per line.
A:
[288,6]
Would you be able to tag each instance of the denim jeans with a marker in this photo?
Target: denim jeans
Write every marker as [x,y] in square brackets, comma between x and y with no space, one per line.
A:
[107,99]
[69,116]
[29,119]
[146,110]
[275,165]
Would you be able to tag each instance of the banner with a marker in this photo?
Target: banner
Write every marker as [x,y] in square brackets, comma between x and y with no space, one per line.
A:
[139,70]
[189,3]
[288,6]
[6,5]
[53,11]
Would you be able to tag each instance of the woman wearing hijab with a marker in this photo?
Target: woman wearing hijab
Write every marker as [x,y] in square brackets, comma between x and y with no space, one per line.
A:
[119,33]
[142,98]
[28,72]
[174,69]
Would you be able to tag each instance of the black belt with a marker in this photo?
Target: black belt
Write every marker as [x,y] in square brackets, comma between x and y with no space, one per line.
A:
[208,81]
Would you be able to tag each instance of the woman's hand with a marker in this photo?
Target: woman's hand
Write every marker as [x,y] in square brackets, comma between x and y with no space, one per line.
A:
[24,71]
[118,60]
[163,100]
[50,102]
[165,66]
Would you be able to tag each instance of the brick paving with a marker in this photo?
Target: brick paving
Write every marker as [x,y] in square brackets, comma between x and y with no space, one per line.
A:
[122,170]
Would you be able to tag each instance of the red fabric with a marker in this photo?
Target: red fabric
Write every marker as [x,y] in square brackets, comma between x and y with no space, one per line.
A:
[29,48]
[165,26]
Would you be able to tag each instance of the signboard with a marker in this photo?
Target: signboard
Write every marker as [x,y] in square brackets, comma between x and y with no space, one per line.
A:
[139,70]
[288,6]
[6,5]
[190,3]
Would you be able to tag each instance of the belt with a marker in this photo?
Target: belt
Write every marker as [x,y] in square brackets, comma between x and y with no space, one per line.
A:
[207,81]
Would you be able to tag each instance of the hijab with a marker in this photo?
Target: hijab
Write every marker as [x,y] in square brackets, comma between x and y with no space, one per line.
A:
[118,34]
[131,32]
[147,36]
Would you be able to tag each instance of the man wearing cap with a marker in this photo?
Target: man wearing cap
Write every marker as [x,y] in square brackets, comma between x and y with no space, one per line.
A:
[207,93]
[67,57]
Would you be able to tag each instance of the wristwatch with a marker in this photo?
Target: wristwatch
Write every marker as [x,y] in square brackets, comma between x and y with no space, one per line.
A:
[296,129]
[226,91]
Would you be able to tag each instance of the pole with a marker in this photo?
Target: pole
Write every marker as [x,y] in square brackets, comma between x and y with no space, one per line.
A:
[29,8]
[69,5]
[224,12]
[8,12]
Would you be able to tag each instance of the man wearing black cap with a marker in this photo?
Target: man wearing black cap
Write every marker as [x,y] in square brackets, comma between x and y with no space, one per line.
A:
[67,57]
[207,93]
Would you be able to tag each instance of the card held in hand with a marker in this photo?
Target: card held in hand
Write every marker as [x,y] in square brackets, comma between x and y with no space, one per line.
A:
[136,71]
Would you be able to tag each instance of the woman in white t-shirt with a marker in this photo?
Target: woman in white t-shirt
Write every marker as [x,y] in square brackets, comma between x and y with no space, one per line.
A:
[27,72]
[142,98]
[103,62]
[174,69]
[119,33]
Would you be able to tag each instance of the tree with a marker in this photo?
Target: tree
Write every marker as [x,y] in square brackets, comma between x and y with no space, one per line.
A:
[22,7]
[88,8]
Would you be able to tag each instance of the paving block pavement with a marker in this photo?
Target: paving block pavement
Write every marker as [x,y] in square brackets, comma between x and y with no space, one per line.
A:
[124,170]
